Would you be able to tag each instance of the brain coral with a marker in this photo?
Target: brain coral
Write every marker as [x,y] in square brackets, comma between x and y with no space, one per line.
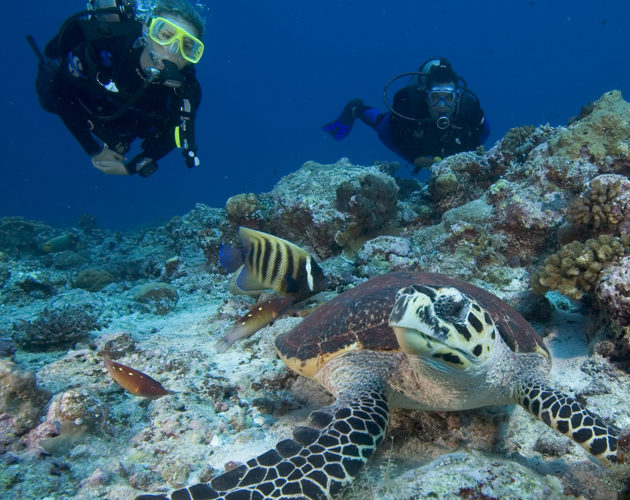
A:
[605,204]
[244,208]
[575,269]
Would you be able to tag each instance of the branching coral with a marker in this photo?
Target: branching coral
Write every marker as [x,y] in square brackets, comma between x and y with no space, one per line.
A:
[54,329]
[605,205]
[575,269]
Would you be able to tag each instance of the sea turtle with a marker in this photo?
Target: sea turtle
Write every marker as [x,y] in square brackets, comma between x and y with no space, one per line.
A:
[411,340]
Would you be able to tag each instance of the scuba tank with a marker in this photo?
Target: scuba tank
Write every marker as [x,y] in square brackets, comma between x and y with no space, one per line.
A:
[96,5]
[111,10]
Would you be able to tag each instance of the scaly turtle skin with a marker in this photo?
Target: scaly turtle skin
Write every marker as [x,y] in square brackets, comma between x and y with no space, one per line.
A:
[411,340]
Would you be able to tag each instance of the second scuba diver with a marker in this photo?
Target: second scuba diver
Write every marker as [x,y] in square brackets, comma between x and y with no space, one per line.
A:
[436,115]
[113,79]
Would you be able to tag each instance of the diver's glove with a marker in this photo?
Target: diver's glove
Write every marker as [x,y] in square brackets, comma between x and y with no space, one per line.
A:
[110,162]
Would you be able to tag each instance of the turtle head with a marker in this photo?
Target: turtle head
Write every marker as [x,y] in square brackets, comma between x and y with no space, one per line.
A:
[443,325]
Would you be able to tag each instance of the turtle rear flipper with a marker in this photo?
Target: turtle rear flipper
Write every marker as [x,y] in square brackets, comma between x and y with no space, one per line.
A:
[564,414]
[317,464]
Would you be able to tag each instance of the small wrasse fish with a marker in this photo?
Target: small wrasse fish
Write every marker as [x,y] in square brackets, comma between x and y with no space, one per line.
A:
[135,381]
[269,262]
[59,243]
[256,318]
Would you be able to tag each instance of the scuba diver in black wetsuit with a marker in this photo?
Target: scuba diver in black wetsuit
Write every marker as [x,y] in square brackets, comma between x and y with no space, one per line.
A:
[113,79]
[432,117]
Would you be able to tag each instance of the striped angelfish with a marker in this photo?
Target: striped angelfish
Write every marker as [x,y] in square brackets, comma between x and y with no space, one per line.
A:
[269,262]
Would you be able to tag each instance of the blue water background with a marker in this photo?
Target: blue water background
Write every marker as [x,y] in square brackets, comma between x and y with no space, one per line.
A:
[274,71]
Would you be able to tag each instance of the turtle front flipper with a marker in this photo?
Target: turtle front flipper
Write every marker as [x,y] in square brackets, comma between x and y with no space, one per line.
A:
[318,463]
[564,414]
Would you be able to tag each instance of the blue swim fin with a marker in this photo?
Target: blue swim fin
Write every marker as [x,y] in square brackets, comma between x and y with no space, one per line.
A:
[341,127]
[337,129]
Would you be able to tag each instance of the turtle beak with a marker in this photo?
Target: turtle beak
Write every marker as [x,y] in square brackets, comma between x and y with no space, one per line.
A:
[410,340]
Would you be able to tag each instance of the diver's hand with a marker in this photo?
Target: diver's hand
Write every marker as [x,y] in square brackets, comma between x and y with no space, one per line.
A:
[110,162]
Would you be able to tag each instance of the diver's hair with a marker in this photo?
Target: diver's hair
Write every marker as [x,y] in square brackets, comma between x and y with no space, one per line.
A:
[183,9]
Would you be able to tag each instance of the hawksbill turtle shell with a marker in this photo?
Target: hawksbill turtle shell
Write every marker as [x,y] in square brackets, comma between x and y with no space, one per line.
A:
[358,319]
[412,340]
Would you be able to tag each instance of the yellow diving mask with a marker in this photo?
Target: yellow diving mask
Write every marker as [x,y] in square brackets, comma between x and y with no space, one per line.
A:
[165,32]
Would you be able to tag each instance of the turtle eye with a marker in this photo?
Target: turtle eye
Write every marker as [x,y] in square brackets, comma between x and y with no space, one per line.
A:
[452,308]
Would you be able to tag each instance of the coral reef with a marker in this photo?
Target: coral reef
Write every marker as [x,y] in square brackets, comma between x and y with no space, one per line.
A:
[93,280]
[18,235]
[613,293]
[5,274]
[244,209]
[499,218]
[324,208]
[576,268]
[54,329]
[605,205]
[160,297]
[203,228]
[384,254]
[459,475]
[87,223]
[371,205]
[600,137]
[7,347]
[461,178]
[517,142]
[70,415]
[35,283]
[21,401]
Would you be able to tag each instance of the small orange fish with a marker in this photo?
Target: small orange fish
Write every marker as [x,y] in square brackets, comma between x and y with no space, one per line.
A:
[256,318]
[135,381]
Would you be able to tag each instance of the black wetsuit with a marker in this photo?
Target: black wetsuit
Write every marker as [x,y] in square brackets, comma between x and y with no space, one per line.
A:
[410,139]
[98,75]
